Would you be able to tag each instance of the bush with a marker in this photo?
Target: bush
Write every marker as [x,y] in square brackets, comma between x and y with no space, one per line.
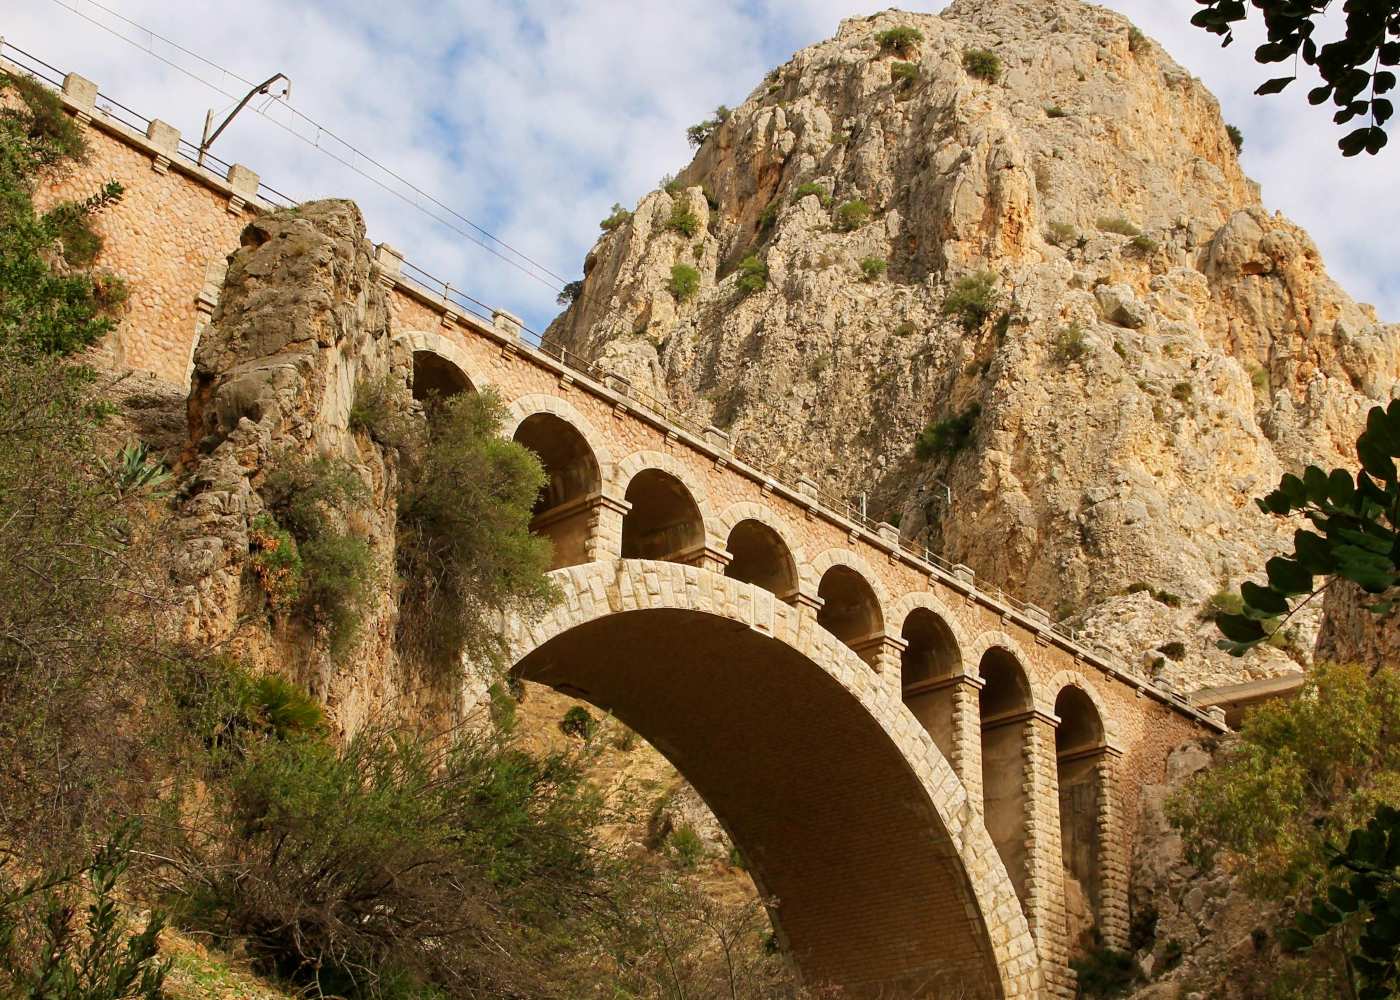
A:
[577,721]
[697,134]
[683,219]
[1222,602]
[314,501]
[685,281]
[983,64]
[1055,111]
[569,294]
[380,410]
[905,329]
[1070,344]
[45,954]
[1117,224]
[465,551]
[899,41]
[852,215]
[686,846]
[767,218]
[44,309]
[812,188]
[275,561]
[1236,137]
[1137,41]
[947,437]
[872,268]
[972,299]
[1174,651]
[1104,972]
[617,217]
[1181,392]
[1143,243]
[1061,234]
[904,73]
[753,275]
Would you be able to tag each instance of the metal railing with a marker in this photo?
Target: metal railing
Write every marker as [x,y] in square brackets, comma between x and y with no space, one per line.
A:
[457,299]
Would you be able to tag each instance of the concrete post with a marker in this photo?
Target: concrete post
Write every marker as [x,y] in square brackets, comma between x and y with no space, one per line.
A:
[388,264]
[166,139]
[80,94]
[245,187]
[605,528]
[1113,868]
[967,737]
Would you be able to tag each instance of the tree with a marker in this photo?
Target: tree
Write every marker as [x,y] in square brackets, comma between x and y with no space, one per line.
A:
[1351,68]
[1356,536]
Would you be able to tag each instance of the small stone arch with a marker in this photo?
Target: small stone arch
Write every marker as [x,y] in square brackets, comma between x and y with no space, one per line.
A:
[853,603]
[656,644]
[668,516]
[1074,678]
[991,638]
[812,572]
[901,610]
[751,532]
[639,461]
[539,402]
[933,674]
[417,342]
[1084,776]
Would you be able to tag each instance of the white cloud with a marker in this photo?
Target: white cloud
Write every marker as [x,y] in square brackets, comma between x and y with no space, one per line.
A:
[532,118]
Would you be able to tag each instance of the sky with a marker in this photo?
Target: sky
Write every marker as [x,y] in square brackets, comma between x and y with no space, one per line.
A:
[531,118]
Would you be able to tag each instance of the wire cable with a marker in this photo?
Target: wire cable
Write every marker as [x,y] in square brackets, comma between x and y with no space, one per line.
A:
[520,260]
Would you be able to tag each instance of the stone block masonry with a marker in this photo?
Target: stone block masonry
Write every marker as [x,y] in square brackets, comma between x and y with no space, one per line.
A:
[634,489]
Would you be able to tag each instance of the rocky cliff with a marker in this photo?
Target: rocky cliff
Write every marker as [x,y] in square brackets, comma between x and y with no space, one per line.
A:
[1147,347]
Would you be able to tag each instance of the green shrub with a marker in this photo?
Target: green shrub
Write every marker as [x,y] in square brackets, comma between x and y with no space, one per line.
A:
[686,846]
[1236,137]
[947,437]
[1174,650]
[697,134]
[133,471]
[46,309]
[578,721]
[1061,234]
[1055,111]
[47,954]
[569,294]
[1137,41]
[873,268]
[1117,224]
[767,218]
[904,73]
[753,275]
[626,739]
[1143,243]
[972,299]
[1181,392]
[900,41]
[1070,344]
[852,215]
[616,218]
[905,329]
[670,184]
[465,552]
[1222,602]
[685,281]
[812,188]
[313,501]
[380,410]
[983,64]
[275,561]
[1120,350]
[1104,972]
[683,219]
[1160,596]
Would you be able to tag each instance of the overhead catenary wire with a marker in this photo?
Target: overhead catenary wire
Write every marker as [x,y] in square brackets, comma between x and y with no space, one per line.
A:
[322,139]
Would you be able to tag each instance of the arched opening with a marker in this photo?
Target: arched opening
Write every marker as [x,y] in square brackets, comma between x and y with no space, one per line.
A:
[562,509]
[837,827]
[761,557]
[1006,713]
[436,377]
[851,611]
[663,522]
[930,666]
[1079,750]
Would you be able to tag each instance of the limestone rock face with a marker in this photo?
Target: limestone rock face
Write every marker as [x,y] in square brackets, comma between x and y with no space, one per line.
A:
[1161,348]
[299,323]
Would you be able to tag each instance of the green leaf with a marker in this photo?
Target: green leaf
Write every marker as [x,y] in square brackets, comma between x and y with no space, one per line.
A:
[1343,900]
[1288,576]
[1310,925]
[1270,602]
[1238,628]
[1275,85]
[1314,553]
[1340,488]
[1315,482]
[1375,460]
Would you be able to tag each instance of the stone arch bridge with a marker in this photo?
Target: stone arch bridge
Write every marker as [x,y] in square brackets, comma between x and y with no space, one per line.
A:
[931,781]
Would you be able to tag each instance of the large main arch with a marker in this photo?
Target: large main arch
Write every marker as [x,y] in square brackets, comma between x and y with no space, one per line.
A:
[851,821]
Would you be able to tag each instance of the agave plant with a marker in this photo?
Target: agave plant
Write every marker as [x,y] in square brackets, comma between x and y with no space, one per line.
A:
[134,471]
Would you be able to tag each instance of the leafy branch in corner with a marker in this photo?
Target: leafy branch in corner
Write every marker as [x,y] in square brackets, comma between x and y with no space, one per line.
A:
[1355,535]
[1351,67]
[1370,866]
